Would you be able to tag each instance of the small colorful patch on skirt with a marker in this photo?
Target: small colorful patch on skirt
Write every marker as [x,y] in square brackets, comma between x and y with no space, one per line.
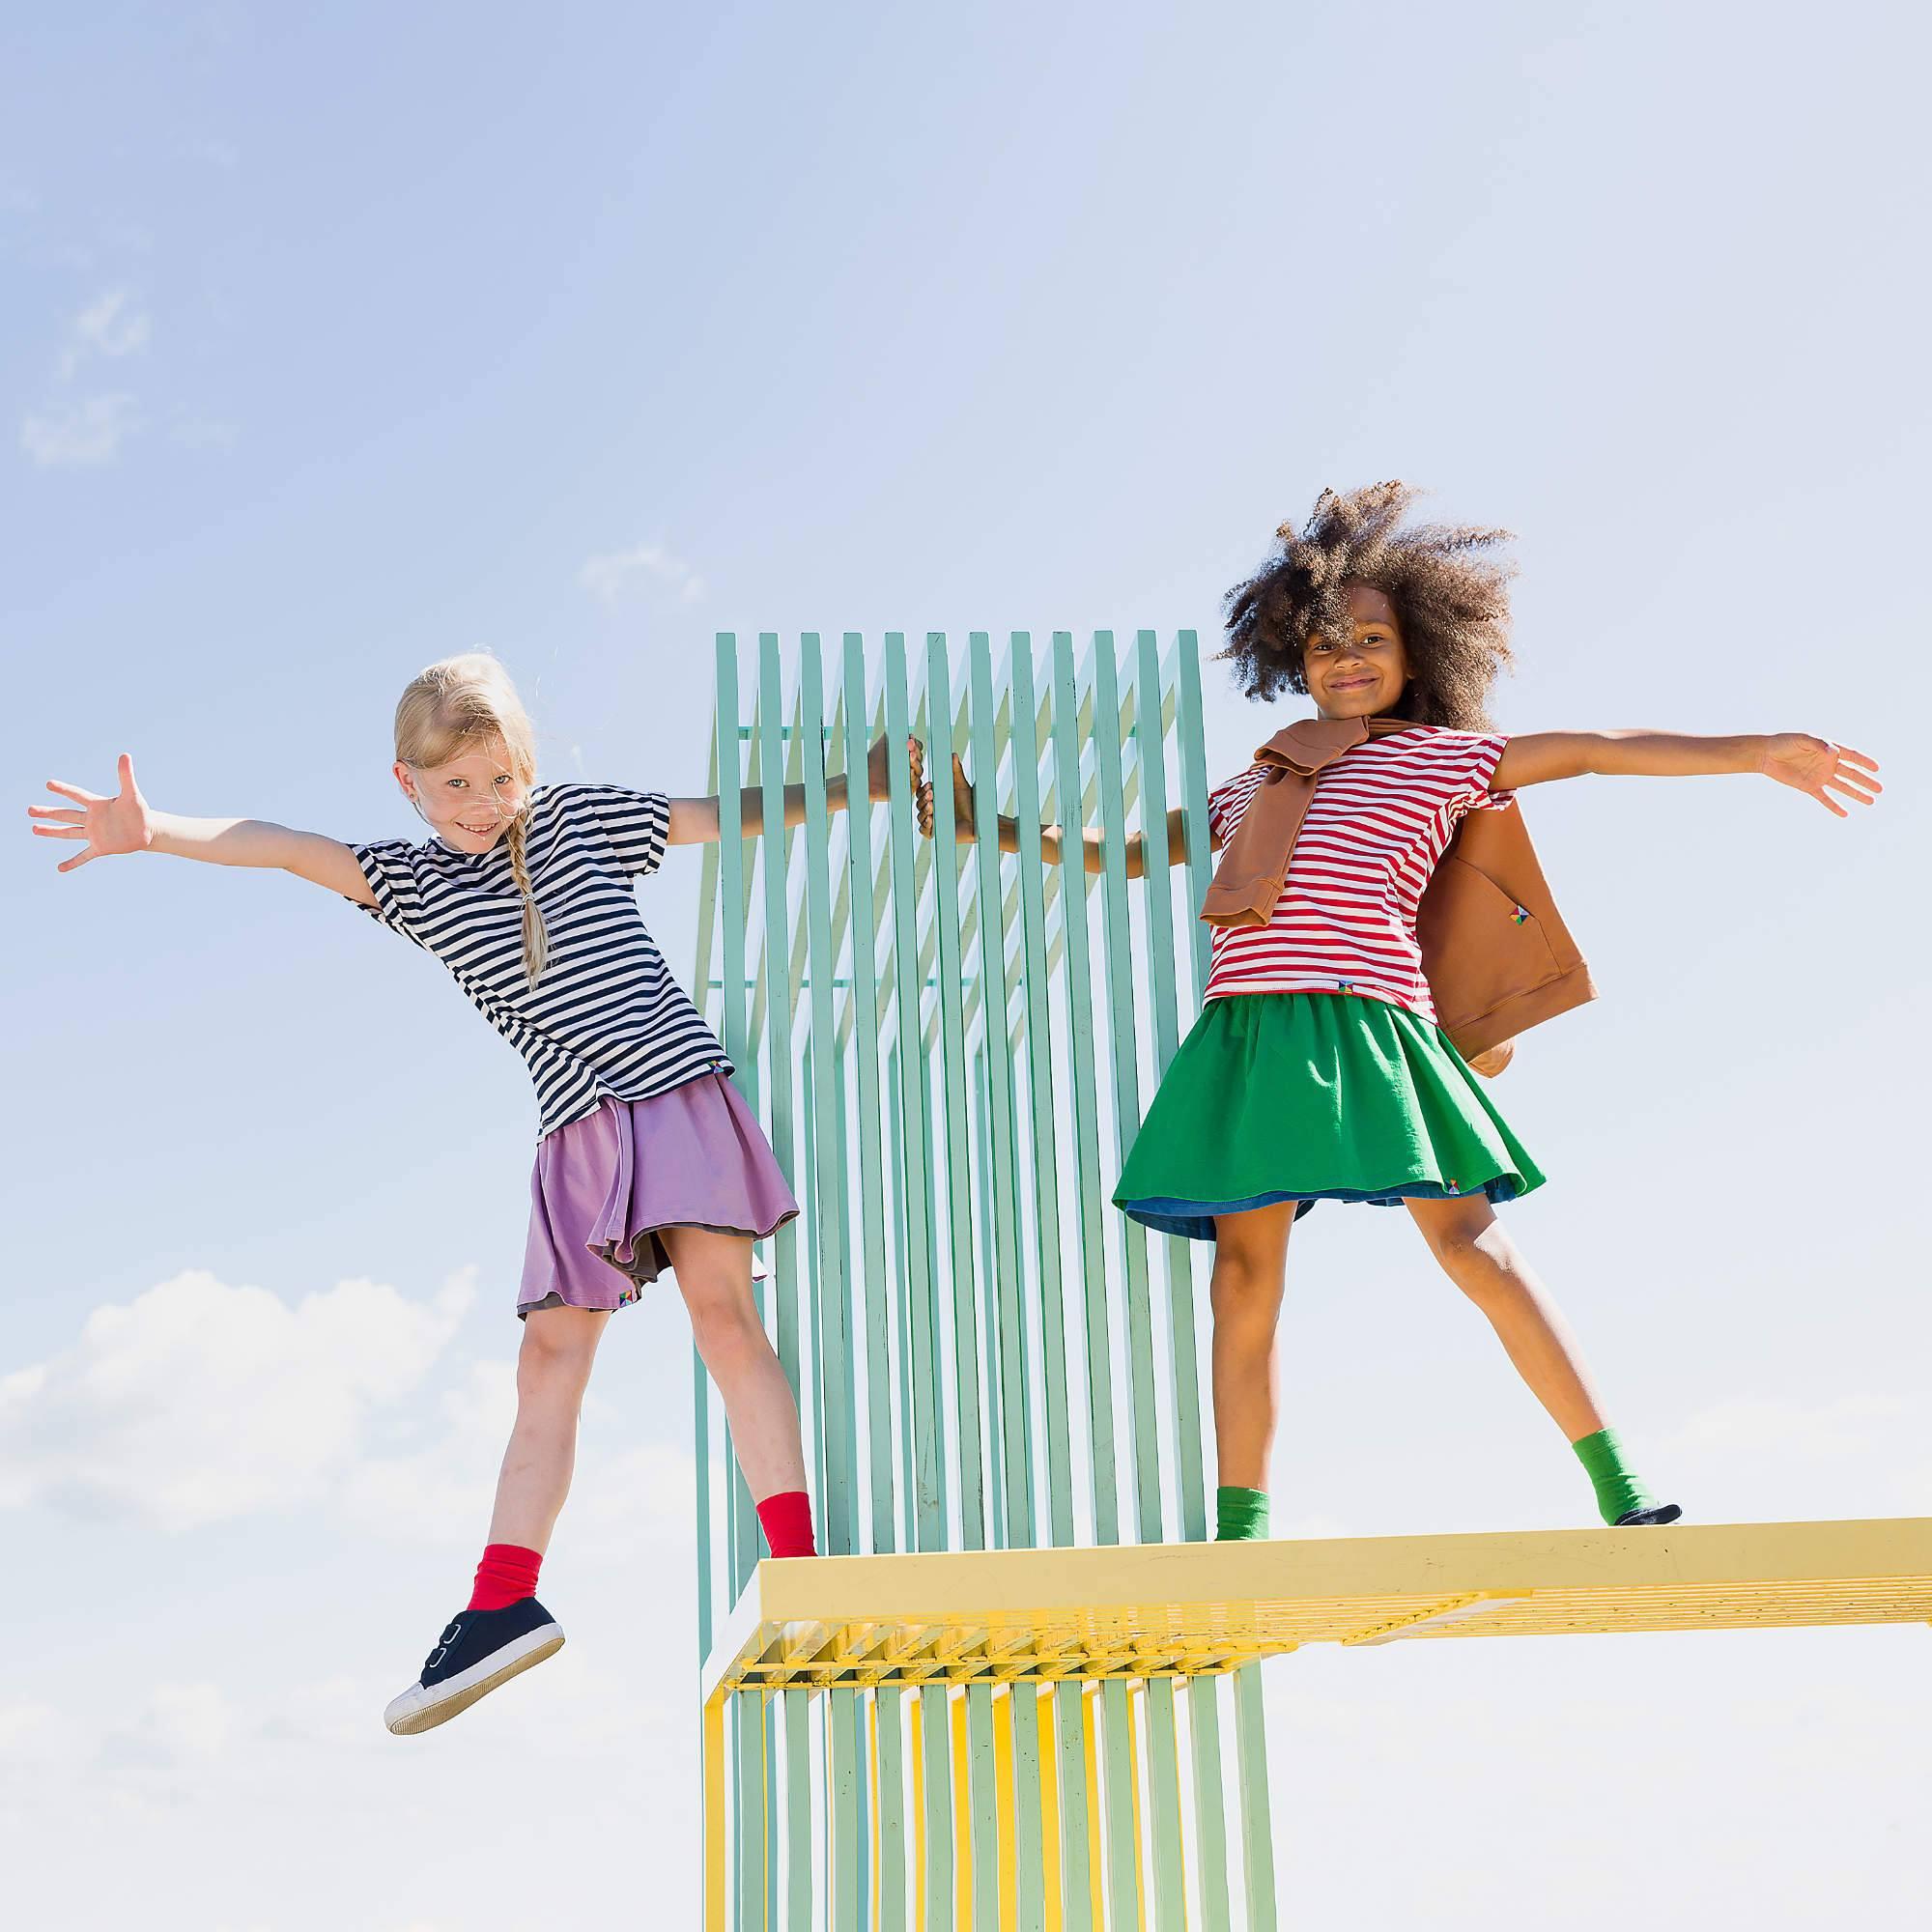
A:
[1315,1096]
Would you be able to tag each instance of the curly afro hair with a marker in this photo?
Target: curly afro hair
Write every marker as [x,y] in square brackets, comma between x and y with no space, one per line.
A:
[1448,583]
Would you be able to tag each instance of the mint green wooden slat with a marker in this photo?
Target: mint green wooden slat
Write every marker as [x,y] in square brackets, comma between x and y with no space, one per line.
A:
[1190,1483]
[915,1253]
[779,1122]
[741,1529]
[982,1790]
[838,1396]
[1210,1812]
[864,1006]
[888,1795]
[1194,796]
[1120,980]
[851,1886]
[986,1296]
[1029,1869]
[749,1819]
[1257,1821]
[1039,1094]
[1003,1279]
[1164,1830]
[1118,1844]
[799,1887]
[1076,1807]
[935,1750]
[1083,1096]
[958,1172]
[908,1518]
[807,1183]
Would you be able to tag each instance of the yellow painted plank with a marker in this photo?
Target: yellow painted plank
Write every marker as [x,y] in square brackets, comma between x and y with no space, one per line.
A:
[1189,1608]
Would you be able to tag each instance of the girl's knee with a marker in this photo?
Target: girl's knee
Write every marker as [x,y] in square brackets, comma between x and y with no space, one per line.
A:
[724,1322]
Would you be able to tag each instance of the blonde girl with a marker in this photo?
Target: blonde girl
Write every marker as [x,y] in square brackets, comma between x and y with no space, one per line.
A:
[647,1156]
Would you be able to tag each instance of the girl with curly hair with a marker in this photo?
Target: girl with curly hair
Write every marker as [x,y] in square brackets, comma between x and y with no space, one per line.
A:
[1319,1068]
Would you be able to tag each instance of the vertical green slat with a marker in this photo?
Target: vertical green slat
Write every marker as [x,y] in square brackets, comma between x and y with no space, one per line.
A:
[958,1169]
[909,1538]
[838,1400]
[741,1528]
[1257,1823]
[1189,1481]
[753,1818]
[1040,1092]
[1126,1075]
[777,996]
[1164,1833]
[851,1878]
[1076,1802]
[1210,1812]
[1029,1871]
[869,1140]
[700,1450]
[983,1791]
[916,1250]
[935,1748]
[799,1889]
[1014,1406]
[988,1303]
[1083,1097]
[888,1798]
[1119,1847]
[1194,796]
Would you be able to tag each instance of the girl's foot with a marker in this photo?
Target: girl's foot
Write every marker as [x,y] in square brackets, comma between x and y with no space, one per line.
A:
[1658,1512]
[479,1650]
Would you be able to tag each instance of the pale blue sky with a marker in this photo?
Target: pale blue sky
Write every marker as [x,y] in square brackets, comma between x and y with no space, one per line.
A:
[330,345]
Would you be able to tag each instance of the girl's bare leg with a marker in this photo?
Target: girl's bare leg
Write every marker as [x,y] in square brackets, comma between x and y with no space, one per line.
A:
[1250,1266]
[1479,1257]
[714,1273]
[553,1367]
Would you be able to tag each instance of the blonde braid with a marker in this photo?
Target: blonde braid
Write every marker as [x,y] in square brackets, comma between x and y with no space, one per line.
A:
[536,938]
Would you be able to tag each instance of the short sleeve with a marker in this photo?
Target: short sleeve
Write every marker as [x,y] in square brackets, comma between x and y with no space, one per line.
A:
[636,824]
[1477,756]
[388,865]
[1223,800]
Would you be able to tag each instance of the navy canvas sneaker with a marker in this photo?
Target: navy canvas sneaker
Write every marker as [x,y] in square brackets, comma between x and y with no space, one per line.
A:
[479,1650]
[1659,1513]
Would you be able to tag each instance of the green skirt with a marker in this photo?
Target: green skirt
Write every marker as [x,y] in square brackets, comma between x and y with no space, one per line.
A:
[1315,1096]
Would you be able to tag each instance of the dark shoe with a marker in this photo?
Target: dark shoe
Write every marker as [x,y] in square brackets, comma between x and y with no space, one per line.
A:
[480,1650]
[1656,1513]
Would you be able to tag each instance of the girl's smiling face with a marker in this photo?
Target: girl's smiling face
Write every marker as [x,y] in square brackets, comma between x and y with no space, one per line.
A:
[467,802]
[1363,675]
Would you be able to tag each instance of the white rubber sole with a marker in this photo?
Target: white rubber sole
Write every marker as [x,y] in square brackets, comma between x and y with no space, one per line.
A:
[421,1710]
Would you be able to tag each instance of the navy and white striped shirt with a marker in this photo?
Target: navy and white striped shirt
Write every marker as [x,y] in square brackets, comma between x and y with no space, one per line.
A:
[605,1017]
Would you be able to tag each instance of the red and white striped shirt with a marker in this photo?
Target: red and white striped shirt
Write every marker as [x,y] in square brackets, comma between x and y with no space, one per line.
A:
[1378,821]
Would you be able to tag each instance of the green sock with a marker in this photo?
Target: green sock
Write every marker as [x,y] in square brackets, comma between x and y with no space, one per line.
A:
[1618,1490]
[1240,1516]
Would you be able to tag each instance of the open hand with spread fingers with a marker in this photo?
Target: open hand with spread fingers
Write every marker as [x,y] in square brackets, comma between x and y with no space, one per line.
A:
[107,825]
[1820,768]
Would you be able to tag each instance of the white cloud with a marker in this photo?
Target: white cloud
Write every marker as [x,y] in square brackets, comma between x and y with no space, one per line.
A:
[180,1723]
[198,1402]
[1767,1424]
[79,435]
[609,576]
[110,326]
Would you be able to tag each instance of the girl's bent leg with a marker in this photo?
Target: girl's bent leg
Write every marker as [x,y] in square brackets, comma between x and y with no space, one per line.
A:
[1479,1257]
[714,1275]
[1250,1263]
[553,1367]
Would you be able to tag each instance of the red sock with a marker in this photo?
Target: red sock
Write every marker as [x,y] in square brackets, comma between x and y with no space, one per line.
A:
[787,1521]
[506,1575]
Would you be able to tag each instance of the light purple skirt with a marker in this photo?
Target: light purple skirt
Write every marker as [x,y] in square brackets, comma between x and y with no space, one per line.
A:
[604,1186]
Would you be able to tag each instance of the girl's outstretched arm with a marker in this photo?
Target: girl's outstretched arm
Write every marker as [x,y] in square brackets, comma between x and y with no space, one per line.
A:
[1811,765]
[1052,838]
[693,821]
[127,823]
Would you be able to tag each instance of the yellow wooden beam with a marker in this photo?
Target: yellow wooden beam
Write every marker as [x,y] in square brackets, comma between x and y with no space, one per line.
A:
[1194,1608]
